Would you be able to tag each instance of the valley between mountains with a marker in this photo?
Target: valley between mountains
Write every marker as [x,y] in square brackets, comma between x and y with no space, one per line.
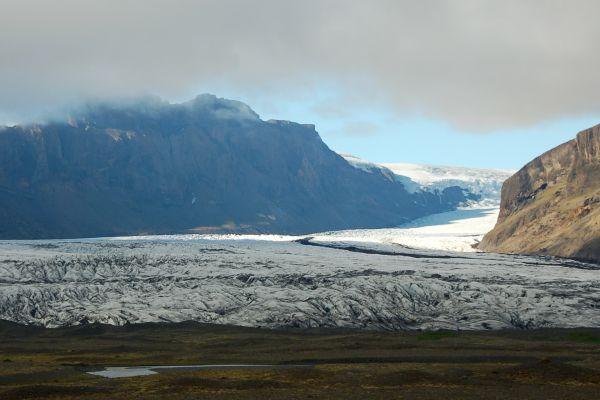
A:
[315,239]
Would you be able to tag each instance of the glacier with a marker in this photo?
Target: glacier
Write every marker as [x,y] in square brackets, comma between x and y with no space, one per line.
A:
[308,282]
[425,274]
[482,181]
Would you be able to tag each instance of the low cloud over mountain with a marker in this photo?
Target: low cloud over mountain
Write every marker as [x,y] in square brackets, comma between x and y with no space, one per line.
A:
[479,65]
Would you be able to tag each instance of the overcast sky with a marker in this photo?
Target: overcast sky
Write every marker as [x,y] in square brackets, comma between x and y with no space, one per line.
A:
[379,74]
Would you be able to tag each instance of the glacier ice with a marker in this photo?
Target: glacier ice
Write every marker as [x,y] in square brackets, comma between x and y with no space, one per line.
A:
[322,282]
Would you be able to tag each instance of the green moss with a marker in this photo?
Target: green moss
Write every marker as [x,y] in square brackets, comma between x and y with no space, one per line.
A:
[584,337]
[436,335]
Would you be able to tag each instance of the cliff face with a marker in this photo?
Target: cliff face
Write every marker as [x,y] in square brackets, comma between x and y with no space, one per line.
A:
[552,205]
[208,165]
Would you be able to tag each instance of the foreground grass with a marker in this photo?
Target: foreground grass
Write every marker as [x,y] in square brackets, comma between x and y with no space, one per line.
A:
[40,363]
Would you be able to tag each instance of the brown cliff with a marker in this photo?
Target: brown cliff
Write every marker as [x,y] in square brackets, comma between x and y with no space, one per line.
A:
[552,205]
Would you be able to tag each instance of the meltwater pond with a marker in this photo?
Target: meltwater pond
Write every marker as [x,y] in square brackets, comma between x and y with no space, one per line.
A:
[127,372]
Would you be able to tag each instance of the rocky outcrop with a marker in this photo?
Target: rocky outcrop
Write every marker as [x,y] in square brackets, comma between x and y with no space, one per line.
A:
[552,205]
[208,165]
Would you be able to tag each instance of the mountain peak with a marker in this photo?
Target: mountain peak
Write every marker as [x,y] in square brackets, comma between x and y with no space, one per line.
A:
[222,108]
[150,111]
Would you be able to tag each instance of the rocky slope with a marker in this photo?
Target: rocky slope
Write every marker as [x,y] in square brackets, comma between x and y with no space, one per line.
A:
[207,165]
[552,205]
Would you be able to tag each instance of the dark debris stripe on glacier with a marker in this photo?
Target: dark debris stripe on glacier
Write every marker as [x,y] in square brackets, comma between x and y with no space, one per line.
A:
[287,284]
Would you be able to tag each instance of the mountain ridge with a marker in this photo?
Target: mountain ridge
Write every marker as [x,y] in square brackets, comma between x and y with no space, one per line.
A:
[207,165]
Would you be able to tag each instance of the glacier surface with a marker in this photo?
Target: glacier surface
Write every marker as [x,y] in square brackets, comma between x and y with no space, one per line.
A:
[319,281]
[485,182]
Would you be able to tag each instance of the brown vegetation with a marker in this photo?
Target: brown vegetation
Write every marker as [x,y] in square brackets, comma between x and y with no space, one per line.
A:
[41,363]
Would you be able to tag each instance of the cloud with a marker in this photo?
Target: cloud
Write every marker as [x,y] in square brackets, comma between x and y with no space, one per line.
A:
[479,65]
[358,129]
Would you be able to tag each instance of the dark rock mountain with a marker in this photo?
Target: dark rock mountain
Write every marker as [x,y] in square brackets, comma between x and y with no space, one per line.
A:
[207,165]
[552,205]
